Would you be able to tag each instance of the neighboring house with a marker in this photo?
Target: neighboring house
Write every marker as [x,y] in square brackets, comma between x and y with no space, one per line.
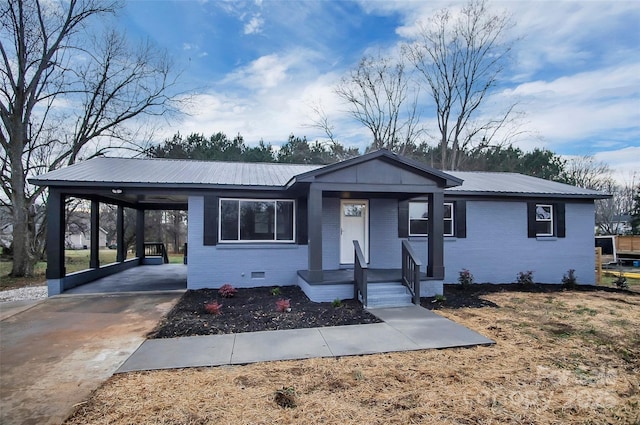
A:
[6,230]
[280,224]
[6,237]
[622,224]
[77,238]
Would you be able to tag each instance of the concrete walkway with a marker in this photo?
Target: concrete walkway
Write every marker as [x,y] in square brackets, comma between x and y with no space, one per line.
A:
[404,329]
[55,352]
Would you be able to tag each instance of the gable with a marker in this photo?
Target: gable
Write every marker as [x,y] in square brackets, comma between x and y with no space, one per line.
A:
[379,168]
[377,171]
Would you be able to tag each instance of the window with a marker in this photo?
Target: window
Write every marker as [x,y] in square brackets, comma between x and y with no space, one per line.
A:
[256,220]
[419,219]
[544,220]
[448,219]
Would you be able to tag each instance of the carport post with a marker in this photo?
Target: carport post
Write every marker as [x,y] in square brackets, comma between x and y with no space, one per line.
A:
[94,259]
[55,242]
[140,235]
[120,248]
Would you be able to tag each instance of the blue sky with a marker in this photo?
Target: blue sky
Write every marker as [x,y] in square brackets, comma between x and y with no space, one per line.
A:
[258,67]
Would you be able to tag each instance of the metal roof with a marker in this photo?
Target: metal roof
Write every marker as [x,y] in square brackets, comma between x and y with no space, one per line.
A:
[198,174]
[132,171]
[514,184]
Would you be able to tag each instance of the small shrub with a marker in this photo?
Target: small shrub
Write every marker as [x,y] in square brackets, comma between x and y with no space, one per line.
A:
[213,307]
[439,298]
[621,282]
[570,280]
[286,397]
[336,303]
[275,291]
[525,278]
[465,278]
[227,291]
[283,305]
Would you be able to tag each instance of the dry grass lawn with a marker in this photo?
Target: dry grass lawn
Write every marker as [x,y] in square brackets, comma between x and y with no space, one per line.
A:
[560,358]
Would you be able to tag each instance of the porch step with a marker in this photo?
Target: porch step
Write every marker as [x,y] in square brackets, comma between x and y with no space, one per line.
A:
[388,294]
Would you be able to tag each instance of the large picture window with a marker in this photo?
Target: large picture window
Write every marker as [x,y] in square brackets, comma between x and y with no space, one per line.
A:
[419,219]
[256,220]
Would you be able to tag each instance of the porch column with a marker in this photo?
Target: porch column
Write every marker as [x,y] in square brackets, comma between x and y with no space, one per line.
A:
[435,260]
[120,248]
[94,258]
[314,223]
[140,234]
[55,242]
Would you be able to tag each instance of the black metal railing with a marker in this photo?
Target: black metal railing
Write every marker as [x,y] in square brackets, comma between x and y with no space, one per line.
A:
[156,249]
[411,271]
[360,267]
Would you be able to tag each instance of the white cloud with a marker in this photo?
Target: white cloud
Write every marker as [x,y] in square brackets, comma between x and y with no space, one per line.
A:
[624,163]
[268,99]
[263,73]
[254,26]
[598,105]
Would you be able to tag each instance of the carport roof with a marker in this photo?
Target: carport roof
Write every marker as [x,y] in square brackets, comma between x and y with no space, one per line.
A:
[174,173]
[136,171]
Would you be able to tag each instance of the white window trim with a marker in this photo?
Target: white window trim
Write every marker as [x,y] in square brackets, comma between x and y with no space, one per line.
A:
[275,220]
[424,235]
[546,220]
[452,219]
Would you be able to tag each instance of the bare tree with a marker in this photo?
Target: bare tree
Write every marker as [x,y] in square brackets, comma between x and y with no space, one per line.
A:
[380,97]
[613,214]
[460,58]
[585,171]
[65,95]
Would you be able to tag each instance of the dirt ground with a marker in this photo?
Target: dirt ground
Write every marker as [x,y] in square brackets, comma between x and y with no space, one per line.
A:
[561,357]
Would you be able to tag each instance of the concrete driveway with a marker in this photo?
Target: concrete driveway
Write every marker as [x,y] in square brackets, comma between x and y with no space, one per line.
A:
[54,353]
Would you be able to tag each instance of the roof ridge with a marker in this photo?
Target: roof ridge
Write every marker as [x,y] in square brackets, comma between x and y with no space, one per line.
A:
[208,161]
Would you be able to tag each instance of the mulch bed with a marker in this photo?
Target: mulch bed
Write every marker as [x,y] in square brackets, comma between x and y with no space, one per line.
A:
[254,309]
[456,296]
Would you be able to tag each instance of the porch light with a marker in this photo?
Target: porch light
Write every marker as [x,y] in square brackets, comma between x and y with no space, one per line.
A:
[116,191]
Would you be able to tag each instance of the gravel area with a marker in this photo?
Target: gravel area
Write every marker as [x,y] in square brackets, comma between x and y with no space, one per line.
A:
[26,293]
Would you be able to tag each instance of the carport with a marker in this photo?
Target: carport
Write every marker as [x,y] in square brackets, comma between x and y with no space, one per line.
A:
[145,278]
[123,189]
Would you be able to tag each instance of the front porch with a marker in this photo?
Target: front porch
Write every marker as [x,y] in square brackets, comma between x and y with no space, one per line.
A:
[384,286]
[345,276]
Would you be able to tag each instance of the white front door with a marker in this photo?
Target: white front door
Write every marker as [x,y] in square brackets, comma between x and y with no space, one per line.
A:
[354,225]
